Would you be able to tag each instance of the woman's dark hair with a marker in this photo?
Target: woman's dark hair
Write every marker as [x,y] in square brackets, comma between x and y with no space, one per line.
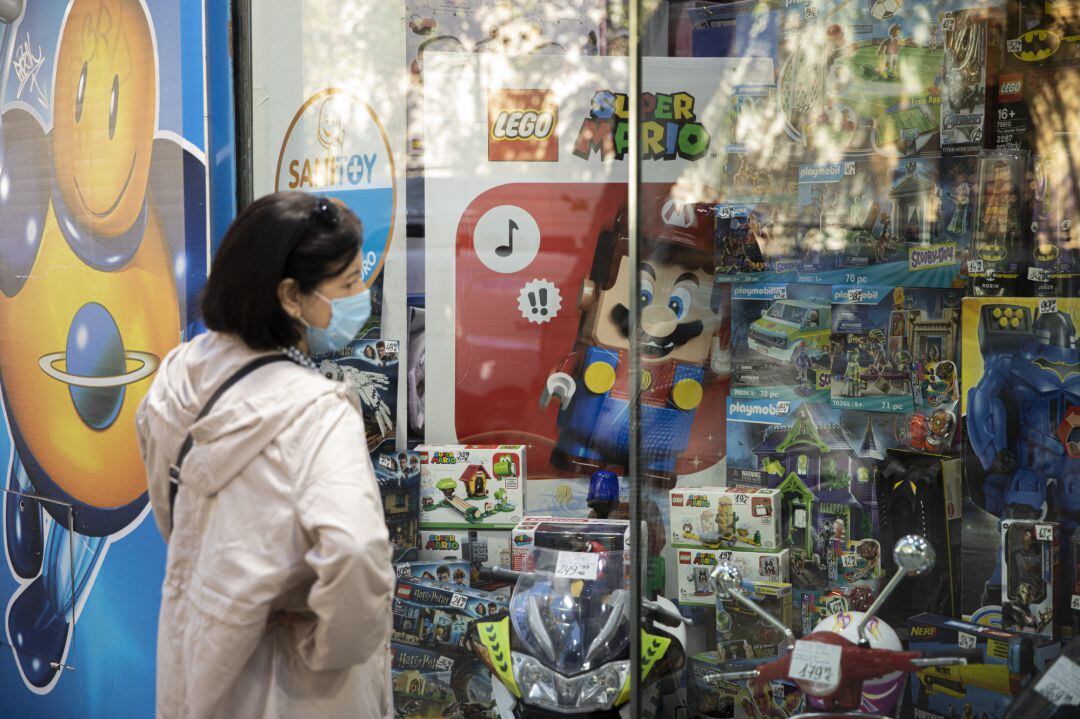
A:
[284,235]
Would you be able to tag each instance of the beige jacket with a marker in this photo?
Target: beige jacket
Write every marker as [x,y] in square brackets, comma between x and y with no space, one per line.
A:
[279,510]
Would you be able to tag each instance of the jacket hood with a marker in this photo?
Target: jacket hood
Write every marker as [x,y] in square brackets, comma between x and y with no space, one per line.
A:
[246,418]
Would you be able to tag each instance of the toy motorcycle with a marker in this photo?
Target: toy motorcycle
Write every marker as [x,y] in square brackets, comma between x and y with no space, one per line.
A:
[564,646]
[868,678]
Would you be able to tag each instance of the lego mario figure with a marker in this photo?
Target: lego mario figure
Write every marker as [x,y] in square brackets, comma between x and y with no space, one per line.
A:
[679,317]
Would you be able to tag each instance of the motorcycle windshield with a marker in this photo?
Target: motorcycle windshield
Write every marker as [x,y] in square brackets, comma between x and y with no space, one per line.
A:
[570,609]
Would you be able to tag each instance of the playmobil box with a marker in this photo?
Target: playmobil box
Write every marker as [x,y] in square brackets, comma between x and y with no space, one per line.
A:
[453,572]
[725,518]
[695,566]
[810,606]
[861,78]
[708,696]
[398,475]
[985,688]
[755,240]
[428,683]
[742,634]
[922,493]
[1032,595]
[471,486]
[780,341]
[890,341]
[973,46]
[437,616]
[568,534]
[477,547]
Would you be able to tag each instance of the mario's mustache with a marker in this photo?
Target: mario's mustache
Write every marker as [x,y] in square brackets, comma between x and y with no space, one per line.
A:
[682,333]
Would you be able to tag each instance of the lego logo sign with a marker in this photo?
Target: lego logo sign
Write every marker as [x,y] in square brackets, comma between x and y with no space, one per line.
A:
[522,126]
[1011,88]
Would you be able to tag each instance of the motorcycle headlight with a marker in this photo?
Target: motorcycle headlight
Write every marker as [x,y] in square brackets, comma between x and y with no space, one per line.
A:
[542,686]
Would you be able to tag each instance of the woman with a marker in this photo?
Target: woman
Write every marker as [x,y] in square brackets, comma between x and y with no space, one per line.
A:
[278,583]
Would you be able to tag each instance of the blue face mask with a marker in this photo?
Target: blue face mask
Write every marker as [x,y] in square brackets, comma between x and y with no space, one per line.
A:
[347,317]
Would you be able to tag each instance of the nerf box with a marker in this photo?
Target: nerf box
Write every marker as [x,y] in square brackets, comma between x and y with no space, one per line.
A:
[695,566]
[709,697]
[428,683]
[477,547]
[741,634]
[398,475]
[725,517]
[780,341]
[450,572]
[471,486]
[1031,589]
[1010,661]
[435,616]
[567,534]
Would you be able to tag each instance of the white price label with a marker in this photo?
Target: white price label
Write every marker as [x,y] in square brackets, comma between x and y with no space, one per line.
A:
[444,664]
[1075,603]
[577,565]
[850,561]
[816,663]
[975,266]
[1044,532]
[966,641]
[459,601]
[1061,683]
[1038,274]
[1048,306]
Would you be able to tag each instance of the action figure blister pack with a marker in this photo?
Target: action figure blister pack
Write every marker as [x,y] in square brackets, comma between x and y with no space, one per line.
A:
[1030,581]
[998,255]
[1054,269]
[973,46]
[780,341]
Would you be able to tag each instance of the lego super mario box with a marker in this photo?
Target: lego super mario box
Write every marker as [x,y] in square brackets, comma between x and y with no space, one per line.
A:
[428,683]
[466,486]
[708,697]
[984,688]
[725,518]
[695,566]
[569,535]
[437,616]
[477,547]
[780,341]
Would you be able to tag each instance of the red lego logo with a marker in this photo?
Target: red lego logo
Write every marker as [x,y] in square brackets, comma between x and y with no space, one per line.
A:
[676,500]
[684,557]
[1011,88]
[522,126]
[404,591]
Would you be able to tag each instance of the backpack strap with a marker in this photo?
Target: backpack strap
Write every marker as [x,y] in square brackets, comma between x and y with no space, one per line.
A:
[189,441]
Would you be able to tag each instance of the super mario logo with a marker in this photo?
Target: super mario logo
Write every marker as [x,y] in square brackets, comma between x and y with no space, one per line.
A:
[442,543]
[522,126]
[443,458]
[705,559]
[697,500]
[669,127]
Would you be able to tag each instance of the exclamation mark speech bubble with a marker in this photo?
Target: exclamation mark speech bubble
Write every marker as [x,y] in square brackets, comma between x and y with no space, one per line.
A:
[539,301]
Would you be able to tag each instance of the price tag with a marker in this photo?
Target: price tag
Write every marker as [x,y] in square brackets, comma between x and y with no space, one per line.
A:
[816,663]
[1061,683]
[966,641]
[975,266]
[1044,532]
[1075,603]
[1048,306]
[1038,274]
[577,565]
[459,601]
[444,664]
[850,561]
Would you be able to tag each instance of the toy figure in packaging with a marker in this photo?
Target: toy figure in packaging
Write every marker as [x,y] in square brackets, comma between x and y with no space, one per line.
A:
[681,350]
[753,240]
[1055,255]
[1030,584]
[972,49]
[895,345]
[740,634]
[1042,33]
[998,257]
[780,341]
